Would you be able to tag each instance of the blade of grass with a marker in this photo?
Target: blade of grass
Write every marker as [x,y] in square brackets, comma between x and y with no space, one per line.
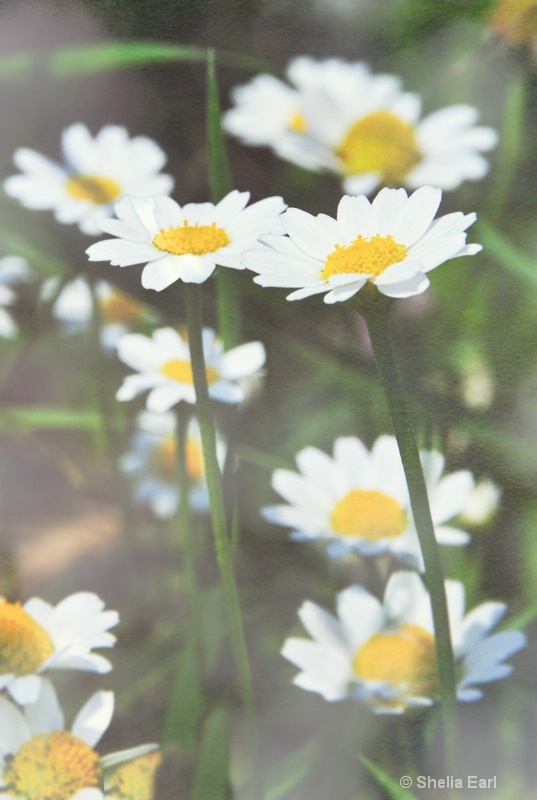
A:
[211,776]
[502,250]
[186,703]
[392,787]
[27,418]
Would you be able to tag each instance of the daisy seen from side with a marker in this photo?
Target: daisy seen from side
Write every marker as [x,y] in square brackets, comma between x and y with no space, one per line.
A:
[357,500]
[185,242]
[383,653]
[391,243]
[96,172]
[37,636]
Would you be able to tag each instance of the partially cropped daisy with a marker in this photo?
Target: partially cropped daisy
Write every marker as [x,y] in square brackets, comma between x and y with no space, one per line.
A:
[73,307]
[481,504]
[163,364]
[37,637]
[152,462]
[133,779]
[384,653]
[185,243]
[13,270]
[96,172]
[41,760]
[337,116]
[391,243]
[358,500]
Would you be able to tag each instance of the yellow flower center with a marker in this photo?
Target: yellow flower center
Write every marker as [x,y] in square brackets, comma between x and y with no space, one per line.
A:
[24,645]
[364,256]
[516,20]
[121,308]
[165,459]
[369,514]
[406,658]
[134,780]
[93,188]
[297,123]
[181,371]
[54,766]
[196,240]
[380,142]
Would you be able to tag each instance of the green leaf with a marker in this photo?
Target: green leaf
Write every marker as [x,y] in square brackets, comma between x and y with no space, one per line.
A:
[20,64]
[211,776]
[507,254]
[219,173]
[290,771]
[42,418]
[97,58]
[187,701]
[392,787]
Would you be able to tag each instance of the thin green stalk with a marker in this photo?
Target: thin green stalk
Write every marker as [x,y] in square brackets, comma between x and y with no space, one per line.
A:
[377,319]
[216,498]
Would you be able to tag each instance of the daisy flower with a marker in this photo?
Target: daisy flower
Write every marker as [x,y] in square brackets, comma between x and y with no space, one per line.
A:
[365,128]
[73,307]
[152,462]
[134,779]
[13,270]
[37,637]
[41,760]
[384,653]
[97,172]
[163,364]
[391,243]
[184,243]
[481,504]
[358,500]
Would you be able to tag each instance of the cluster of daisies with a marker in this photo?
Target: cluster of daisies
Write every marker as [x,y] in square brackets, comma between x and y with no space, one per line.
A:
[42,757]
[339,117]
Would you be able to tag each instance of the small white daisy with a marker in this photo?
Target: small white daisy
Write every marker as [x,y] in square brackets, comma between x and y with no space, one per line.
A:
[152,462]
[37,637]
[185,243]
[40,759]
[391,243]
[481,504]
[97,172]
[358,500]
[360,126]
[384,653]
[163,364]
[13,270]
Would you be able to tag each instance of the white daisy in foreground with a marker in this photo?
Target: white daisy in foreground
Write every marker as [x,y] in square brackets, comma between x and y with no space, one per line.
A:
[38,636]
[152,462]
[97,172]
[163,362]
[185,243]
[13,270]
[358,500]
[119,312]
[41,760]
[384,653]
[360,126]
[391,243]
[134,779]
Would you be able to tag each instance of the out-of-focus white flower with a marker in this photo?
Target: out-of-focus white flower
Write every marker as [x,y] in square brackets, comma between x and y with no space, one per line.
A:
[384,653]
[163,364]
[37,637]
[40,759]
[481,504]
[97,172]
[13,270]
[152,462]
[391,243]
[185,243]
[363,127]
[358,500]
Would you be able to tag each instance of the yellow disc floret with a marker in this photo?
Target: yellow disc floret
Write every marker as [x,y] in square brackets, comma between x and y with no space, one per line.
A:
[94,189]
[24,645]
[134,780]
[381,143]
[405,658]
[120,308]
[368,514]
[181,371]
[297,123]
[54,766]
[165,459]
[364,256]
[195,240]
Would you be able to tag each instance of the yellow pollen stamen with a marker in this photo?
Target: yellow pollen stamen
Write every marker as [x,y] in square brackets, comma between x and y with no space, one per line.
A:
[196,240]
[54,766]
[134,780]
[368,514]
[406,658]
[297,123]
[194,460]
[120,308]
[24,645]
[364,256]
[383,143]
[93,188]
[165,459]
[181,371]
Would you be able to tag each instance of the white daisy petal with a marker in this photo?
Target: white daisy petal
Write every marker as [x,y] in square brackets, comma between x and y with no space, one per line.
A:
[94,717]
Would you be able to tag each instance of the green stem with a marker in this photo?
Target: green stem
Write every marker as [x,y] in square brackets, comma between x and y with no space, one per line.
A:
[216,498]
[377,319]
